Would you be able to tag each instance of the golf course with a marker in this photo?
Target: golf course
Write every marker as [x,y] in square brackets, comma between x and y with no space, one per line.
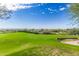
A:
[29,44]
[39,29]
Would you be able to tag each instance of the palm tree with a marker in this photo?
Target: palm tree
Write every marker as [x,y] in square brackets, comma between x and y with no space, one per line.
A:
[74,9]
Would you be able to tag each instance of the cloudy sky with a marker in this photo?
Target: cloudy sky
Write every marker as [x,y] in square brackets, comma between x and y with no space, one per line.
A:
[37,15]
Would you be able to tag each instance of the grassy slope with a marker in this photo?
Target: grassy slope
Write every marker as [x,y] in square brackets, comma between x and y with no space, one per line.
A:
[23,44]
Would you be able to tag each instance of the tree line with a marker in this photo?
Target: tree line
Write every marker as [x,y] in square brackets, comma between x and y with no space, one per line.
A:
[73,31]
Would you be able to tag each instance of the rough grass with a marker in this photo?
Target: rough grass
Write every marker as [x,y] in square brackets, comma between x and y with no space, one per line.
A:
[27,44]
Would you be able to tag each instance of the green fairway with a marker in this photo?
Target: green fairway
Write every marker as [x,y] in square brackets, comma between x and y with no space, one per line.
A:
[28,44]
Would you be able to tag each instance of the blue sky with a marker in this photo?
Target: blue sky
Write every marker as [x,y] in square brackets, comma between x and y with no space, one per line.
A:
[39,15]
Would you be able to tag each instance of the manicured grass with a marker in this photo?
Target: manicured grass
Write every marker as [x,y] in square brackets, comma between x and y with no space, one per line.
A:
[28,44]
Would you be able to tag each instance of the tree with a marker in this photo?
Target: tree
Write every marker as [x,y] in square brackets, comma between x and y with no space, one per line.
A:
[74,9]
[74,31]
[4,12]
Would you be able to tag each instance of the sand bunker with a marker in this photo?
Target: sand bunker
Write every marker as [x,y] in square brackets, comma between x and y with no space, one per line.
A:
[71,41]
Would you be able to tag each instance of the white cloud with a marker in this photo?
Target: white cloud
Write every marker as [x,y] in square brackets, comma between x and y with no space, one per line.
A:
[50,9]
[68,5]
[15,7]
[63,8]
[15,4]
[42,12]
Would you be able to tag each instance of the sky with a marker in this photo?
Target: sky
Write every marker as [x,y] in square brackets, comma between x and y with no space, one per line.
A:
[38,15]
